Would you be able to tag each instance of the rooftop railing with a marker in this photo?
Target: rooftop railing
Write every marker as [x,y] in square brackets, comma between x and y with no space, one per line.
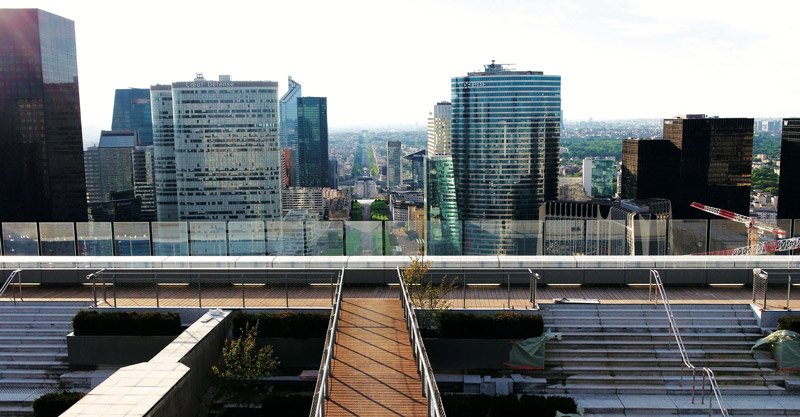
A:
[658,285]
[322,389]
[8,283]
[429,388]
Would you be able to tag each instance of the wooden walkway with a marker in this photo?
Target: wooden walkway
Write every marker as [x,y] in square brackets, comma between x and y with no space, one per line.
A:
[373,372]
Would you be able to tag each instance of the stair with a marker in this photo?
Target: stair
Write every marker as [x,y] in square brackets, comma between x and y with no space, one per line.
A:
[33,352]
[623,354]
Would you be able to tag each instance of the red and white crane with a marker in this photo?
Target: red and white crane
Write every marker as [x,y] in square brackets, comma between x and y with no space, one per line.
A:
[754,247]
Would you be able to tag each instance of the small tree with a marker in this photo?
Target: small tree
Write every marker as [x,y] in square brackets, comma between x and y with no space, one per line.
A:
[243,367]
[430,298]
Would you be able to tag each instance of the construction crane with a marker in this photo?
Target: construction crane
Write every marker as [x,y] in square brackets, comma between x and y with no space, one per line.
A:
[754,227]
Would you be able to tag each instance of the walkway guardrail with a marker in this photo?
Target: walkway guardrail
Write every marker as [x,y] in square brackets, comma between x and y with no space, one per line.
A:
[429,388]
[18,274]
[322,389]
[193,282]
[655,282]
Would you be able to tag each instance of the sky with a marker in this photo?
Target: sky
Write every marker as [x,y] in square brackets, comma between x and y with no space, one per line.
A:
[386,63]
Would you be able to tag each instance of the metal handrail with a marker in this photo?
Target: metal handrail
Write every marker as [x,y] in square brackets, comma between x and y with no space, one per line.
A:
[429,388]
[91,277]
[15,273]
[322,389]
[673,330]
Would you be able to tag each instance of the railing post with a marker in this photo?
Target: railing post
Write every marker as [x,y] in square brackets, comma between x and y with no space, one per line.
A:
[105,298]
[508,290]
[19,284]
[199,292]
[155,280]
[243,302]
[114,283]
[788,293]
[536,277]
[464,291]
[286,285]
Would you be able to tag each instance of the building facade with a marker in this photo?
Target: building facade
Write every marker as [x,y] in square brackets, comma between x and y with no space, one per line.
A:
[716,156]
[394,164]
[109,166]
[166,186]
[41,143]
[288,112]
[649,168]
[132,111]
[439,123]
[506,128]
[417,169]
[789,180]
[598,176]
[226,149]
[303,198]
[312,142]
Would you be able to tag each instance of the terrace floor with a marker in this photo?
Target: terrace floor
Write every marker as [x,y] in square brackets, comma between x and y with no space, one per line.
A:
[489,297]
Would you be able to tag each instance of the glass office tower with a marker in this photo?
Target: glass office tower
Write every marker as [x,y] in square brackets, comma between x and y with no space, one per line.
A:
[41,143]
[789,181]
[166,186]
[312,141]
[394,164]
[132,112]
[506,128]
[288,110]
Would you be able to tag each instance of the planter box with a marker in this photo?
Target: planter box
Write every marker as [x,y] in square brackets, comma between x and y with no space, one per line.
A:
[293,352]
[114,350]
[467,353]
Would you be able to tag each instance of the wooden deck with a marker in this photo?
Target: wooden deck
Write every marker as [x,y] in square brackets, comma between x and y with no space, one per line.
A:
[320,296]
[373,372]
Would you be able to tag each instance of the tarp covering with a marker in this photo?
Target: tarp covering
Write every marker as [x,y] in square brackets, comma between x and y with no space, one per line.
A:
[529,353]
[785,348]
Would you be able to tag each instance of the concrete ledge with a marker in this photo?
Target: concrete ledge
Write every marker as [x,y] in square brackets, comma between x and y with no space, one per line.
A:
[172,383]
[467,353]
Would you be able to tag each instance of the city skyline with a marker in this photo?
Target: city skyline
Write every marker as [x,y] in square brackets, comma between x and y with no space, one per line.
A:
[610,55]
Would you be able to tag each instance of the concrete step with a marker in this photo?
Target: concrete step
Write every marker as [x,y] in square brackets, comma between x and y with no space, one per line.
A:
[613,345]
[648,312]
[28,383]
[712,363]
[46,339]
[674,369]
[669,389]
[36,316]
[11,410]
[72,304]
[32,371]
[652,321]
[33,324]
[556,351]
[33,348]
[665,380]
[6,334]
[32,356]
[654,328]
[603,335]
[643,405]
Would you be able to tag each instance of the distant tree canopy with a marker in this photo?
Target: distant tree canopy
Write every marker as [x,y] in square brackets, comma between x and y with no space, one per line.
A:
[766,144]
[765,179]
[580,148]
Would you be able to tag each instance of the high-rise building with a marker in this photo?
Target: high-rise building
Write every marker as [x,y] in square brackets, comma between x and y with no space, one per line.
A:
[307,198]
[444,231]
[287,163]
[288,111]
[789,182]
[143,182]
[394,164]
[166,186]
[716,156]
[506,127]
[109,166]
[417,169]
[312,141]
[439,129]
[41,144]
[649,168]
[132,112]
[598,176]
[333,173]
[225,148]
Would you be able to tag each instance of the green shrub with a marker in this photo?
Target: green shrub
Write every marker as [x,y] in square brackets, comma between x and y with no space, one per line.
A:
[126,323]
[283,324]
[503,325]
[507,405]
[788,322]
[55,403]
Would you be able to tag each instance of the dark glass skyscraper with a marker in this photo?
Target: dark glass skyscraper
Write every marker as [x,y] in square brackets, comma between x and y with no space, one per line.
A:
[715,165]
[649,168]
[132,112]
[41,144]
[312,141]
[506,128]
[789,183]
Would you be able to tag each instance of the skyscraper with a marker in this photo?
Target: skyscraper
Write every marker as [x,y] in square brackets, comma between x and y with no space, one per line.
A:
[312,141]
[288,111]
[789,182]
[716,157]
[225,148]
[109,166]
[439,122]
[132,112]
[417,169]
[649,168]
[333,173]
[166,186]
[506,127]
[41,144]
[394,164]
[598,176]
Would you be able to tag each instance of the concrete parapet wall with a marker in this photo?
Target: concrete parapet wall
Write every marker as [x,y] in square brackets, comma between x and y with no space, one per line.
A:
[172,383]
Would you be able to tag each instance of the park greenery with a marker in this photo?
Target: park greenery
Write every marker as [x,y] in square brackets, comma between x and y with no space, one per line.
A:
[378,210]
[355,210]
[765,179]
[429,298]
